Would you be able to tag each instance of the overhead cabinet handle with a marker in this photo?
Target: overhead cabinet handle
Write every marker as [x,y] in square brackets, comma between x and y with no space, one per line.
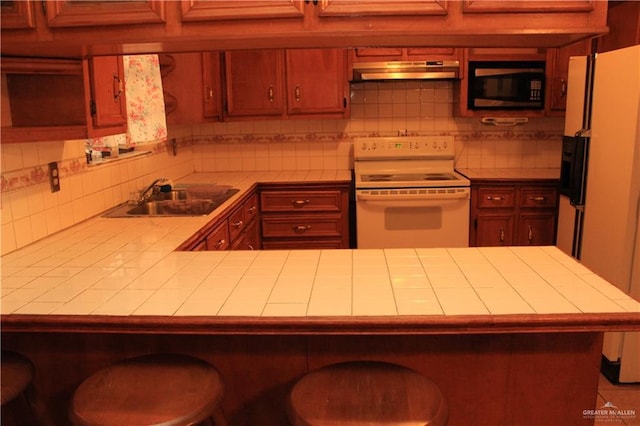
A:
[118,87]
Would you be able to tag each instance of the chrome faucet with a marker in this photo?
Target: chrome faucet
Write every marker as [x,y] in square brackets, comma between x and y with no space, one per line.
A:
[144,196]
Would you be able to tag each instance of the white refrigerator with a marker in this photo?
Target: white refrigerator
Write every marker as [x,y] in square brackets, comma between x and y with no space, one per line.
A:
[599,213]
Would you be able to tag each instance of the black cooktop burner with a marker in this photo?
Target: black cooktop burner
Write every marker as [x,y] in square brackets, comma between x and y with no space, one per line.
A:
[413,177]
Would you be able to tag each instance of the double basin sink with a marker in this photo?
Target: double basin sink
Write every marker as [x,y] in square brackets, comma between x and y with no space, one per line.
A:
[193,200]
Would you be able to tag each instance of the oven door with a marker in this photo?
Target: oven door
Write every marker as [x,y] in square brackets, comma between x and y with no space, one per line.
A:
[412,218]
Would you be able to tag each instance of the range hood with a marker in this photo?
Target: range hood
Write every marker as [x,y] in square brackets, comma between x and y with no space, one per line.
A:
[405,70]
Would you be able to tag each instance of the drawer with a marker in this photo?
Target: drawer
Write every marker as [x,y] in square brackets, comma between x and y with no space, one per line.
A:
[531,197]
[495,197]
[218,239]
[301,226]
[293,201]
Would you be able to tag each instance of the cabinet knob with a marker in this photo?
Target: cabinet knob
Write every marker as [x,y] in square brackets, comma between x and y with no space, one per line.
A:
[496,198]
[301,228]
[297,92]
[208,94]
[300,203]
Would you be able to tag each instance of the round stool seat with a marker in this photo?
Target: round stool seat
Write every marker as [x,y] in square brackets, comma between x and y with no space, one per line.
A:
[167,389]
[17,374]
[366,393]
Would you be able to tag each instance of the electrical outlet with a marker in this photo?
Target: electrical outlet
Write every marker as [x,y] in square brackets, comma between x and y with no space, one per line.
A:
[54,177]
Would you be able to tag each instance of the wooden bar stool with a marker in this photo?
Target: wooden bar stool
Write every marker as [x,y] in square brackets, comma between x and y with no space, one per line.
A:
[166,389]
[20,402]
[366,393]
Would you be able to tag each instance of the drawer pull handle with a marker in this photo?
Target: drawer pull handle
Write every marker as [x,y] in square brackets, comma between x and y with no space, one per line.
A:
[496,198]
[252,209]
[502,234]
[237,224]
[300,203]
[537,198]
[301,228]
[530,234]
[271,94]
[220,243]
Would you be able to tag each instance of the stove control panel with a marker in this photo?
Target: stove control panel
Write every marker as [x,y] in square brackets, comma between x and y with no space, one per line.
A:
[403,147]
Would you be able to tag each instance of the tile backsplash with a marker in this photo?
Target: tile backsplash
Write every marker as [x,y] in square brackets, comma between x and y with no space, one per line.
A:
[30,211]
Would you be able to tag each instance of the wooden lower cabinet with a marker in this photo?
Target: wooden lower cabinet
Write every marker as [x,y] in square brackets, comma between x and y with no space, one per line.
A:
[487,378]
[513,213]
[305,216]
[237,230]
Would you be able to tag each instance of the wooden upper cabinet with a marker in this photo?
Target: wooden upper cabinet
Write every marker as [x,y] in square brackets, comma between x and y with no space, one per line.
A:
[374,54]
[107,104]
[624,24]
[88,13]
[558,73]
[16,14]
[381,8]
[191,86]
[316,81]
[254,82]
[207,10]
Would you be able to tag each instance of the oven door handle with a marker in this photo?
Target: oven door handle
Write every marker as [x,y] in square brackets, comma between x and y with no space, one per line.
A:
[413,197]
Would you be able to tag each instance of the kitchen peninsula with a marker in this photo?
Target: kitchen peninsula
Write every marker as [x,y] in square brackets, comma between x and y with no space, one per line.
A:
[512,335]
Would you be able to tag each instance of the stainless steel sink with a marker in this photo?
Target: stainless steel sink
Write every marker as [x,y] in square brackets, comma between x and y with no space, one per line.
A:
[189,201]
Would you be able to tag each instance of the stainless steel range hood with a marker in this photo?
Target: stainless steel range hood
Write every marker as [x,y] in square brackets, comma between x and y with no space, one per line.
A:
[405,70]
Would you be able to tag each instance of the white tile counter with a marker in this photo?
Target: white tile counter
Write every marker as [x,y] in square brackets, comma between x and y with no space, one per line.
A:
[512,174]
[126,268]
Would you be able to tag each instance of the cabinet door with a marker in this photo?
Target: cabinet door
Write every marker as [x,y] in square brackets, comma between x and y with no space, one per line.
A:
[536,229]
[494,229]
[254,82]
[211,84]
[191,86]
[107,103]
[89,13]
[559,73]
[316,81]
[207,10]
[16,15]
[382,8]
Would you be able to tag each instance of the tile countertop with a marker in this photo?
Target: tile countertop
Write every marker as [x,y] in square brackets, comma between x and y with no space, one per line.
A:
[106,271]
[511,174]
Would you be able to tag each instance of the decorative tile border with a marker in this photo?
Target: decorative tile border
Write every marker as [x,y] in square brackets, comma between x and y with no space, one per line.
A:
[25,178]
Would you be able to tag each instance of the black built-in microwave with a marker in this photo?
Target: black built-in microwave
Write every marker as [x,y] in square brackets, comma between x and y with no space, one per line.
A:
[504,85]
